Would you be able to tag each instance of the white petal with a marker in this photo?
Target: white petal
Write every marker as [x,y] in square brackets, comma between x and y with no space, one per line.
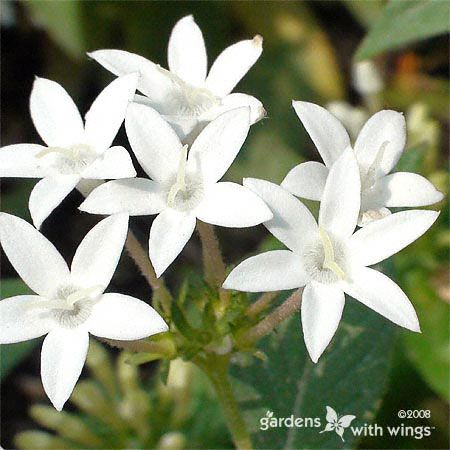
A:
[341,198]
[402,189]
[125,318]
[383,238]
[233,101]
[55,115]
[232,64]
[232,205]
[20,161]
[169,234]
[35,258]
[185,127]
[292,222]
[134,196]
[107,113]
[20,321]
[187,52]
[327,133]
[113,163]
[277,270]
[86,186]
[307,180]
[381,294]
[62,359]
[369,215]
[321,312]
[98,254]
[216,147]
[154,81]
[384,126]
[48,194]
[153,141]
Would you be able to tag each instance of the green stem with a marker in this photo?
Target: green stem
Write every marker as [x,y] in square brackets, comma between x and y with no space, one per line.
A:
[216,368]
[278,315]
[261,304]
[214,266]
[140,257]
[157,347]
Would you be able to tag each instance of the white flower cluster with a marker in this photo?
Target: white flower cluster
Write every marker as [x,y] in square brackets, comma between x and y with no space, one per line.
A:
[185,133]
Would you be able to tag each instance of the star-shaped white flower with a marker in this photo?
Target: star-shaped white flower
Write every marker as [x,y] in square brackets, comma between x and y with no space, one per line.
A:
[75,151]
[378,147]
[183,187]
[328,258]
[69,304]
[184,94]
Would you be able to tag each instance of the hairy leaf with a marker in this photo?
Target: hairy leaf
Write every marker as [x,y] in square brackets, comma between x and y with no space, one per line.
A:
[350,377]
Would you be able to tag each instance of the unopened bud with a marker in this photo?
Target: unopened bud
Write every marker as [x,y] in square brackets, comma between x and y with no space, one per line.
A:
[366,78]
[31,440]
[67,425]
[172,441]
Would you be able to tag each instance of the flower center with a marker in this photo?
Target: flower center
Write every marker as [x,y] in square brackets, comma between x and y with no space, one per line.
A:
[188,100]
[69,160]
[325,259]
[186,192]
[329,261]
[70,306]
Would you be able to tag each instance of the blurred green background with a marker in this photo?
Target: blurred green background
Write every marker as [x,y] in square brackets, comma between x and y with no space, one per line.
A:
[310,48]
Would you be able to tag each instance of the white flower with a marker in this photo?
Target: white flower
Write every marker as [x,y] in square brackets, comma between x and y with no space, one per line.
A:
[327,258]
[74,152]
[367,79]
[378,148]
[185,96]
[183,187]
[69,304]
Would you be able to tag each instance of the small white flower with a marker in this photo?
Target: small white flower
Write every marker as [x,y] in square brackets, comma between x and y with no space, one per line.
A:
[75,151]
[338,424]
[328,258]
[367,79]
[69,304]
[184,186]
[378,148]
[352,117]
[185,96]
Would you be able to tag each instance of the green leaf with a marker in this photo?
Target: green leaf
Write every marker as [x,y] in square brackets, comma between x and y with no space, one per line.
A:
[350,377]
[404,22]
[429,351]
[12,354]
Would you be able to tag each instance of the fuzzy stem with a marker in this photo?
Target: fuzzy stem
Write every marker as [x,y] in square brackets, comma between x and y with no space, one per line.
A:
[140,257]
[285,310]
[216,368]
[213,264]
[140,346]
[261,304]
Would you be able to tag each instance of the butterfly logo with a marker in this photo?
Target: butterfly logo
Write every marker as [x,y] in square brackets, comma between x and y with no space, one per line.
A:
[337,423]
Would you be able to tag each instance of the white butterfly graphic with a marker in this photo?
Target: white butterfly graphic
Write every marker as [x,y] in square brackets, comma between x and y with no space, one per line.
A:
[336,423]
